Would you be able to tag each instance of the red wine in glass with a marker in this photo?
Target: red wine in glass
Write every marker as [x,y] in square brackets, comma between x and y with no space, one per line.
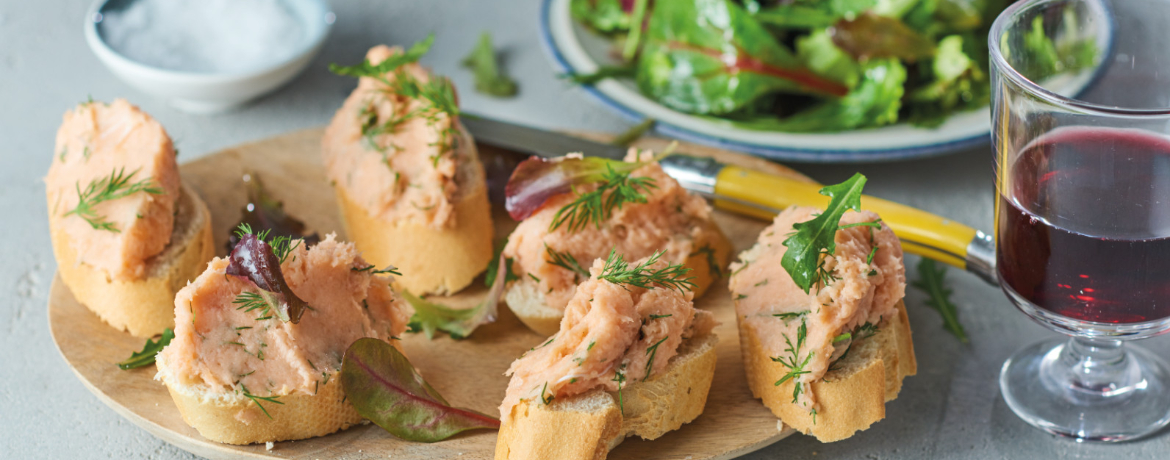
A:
[1084,231]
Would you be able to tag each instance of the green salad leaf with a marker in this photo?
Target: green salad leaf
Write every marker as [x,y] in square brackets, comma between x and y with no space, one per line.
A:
[605,16]
[712,57]
[874,102]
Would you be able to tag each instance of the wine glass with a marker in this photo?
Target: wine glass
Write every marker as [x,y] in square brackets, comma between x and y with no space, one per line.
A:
[1082,214]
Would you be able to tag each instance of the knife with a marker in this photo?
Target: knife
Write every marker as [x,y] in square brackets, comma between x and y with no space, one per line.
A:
[745,191]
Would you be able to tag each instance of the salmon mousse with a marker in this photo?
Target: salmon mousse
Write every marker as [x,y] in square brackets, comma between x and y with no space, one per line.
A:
[407,174]
[802,349]
[633,356]
[633,206]
[126,233]
[260,337]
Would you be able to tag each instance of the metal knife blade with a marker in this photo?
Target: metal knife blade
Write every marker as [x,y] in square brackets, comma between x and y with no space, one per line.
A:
[526,139]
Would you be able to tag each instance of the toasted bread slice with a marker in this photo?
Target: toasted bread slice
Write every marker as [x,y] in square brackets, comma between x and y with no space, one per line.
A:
[146,306]
[432,261]
[526,300]
[853,393]
[236,419]
[589,425]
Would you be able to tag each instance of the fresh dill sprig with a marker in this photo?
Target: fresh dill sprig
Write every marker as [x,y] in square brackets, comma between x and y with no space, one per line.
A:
[250,301]
[543,399]
[652,351]
[567,261]
[116,185]
[618,271]
[256,399]
[661,316]
[796,367]
[597,205]
[390,64]
[791,315]
[370,268]
[620,378]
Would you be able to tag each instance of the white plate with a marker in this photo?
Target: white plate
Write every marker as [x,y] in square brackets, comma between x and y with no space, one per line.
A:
[574,49]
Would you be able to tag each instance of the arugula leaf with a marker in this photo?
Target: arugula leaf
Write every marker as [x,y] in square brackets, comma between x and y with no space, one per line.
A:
[488,79]
[365,69]
[931,279]
[816,238]
[605,16]
[146,356]
[385,388]
[713,57]
[459,323]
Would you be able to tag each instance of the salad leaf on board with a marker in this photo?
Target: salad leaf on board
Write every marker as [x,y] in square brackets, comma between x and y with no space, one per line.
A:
[814,239]
[264,212]
[459,323]
[384,388]
[146,356]
[712,57]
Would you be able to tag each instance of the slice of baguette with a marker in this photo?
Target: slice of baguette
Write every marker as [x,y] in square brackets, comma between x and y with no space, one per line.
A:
[432,261]
[146,306]
[852,396]
[235,419]
[589,425]
[526,300]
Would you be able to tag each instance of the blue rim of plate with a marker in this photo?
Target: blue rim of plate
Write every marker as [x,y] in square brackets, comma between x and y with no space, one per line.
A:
[785,153]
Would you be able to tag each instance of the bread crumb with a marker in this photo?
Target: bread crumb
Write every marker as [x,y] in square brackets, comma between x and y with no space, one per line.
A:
[269,445]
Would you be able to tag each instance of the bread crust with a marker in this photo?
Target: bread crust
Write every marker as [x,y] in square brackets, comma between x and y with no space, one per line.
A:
[301,416]
[851,398]
[589,425]
[528,303]
[146,306]
[432,260]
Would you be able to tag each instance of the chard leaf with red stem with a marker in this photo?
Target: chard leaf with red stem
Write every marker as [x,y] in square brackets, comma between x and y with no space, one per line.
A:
[384,388]
[537,179]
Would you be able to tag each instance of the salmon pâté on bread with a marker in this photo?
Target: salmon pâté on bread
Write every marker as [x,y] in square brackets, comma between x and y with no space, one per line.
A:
[627,361]
[126,233]
[669,219]
[240,373]
[408,179]
[825,361]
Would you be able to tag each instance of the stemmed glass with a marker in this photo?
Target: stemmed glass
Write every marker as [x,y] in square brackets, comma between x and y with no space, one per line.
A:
[1083,209]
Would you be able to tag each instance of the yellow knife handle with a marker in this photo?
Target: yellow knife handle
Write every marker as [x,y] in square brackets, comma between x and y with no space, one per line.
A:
[760,194]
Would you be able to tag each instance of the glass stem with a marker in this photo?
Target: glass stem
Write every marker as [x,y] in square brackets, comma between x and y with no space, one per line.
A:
[1093,369]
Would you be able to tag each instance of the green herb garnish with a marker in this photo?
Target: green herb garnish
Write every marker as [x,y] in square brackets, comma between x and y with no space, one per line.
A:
[712,264]
[116,185]
[595,206]
[816,239]
[488,78]
[634,133]
[618,271]
[256,399]
[792,362]
[652,351]
[567,261]
[931,279]
[146,356]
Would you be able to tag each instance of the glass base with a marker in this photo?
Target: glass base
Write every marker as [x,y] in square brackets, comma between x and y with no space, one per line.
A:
[1090,390]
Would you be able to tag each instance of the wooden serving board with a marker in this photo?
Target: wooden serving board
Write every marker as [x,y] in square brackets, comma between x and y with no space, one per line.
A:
[469,373]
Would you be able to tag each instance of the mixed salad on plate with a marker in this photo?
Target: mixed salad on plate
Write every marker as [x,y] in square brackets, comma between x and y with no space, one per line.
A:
[812,65]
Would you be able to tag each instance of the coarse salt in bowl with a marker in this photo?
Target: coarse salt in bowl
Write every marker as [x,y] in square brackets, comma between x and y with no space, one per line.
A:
[207,56]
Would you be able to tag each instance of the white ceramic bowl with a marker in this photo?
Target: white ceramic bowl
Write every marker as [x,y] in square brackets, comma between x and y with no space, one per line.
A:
[201,92]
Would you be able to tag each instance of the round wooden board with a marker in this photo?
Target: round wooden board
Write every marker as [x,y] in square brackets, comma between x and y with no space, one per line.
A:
[469,373]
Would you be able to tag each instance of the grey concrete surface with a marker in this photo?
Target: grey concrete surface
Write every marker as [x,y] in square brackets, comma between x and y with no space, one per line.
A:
[951,410]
